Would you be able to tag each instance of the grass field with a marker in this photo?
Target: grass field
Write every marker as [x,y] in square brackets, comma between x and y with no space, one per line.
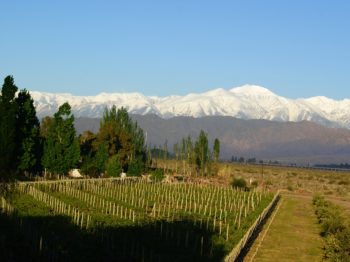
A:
[293,234]
[298,180]
[304,181]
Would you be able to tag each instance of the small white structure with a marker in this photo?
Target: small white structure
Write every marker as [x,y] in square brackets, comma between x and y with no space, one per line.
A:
[75,173]
[122,175]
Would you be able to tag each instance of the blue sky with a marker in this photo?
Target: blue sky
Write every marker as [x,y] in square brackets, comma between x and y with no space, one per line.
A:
[295,48]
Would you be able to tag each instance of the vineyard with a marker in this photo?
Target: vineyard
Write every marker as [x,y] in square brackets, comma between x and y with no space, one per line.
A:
[126,220]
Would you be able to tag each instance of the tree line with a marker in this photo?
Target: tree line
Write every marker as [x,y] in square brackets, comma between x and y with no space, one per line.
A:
[195,157]
[52,146]
[28,147]
[20,143]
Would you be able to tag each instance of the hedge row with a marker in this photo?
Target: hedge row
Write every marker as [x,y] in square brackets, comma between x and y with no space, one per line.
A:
[335,228]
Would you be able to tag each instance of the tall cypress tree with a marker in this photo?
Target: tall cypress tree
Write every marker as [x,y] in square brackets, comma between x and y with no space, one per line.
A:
[8,111]
[216,149]
[27,134]
[202,152]
[61,149]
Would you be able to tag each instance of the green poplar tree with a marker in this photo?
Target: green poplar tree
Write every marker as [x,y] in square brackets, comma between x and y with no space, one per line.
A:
[139,151]
[183,154]
[113,167]
[190,154]
[202,152]
[177,154]
[27,137]
[61,149]
[101,158]
[8,110]
[216,149]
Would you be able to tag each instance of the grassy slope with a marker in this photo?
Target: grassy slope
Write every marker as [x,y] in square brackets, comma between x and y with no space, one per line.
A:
[293,235]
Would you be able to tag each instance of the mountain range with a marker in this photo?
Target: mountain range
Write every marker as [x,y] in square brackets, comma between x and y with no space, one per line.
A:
[245,102]
[250,121]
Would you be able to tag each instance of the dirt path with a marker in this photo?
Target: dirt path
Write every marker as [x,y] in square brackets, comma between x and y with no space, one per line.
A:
[290,234]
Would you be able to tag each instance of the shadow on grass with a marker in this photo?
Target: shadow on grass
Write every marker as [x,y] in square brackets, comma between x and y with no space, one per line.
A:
[256,232]
[56,239]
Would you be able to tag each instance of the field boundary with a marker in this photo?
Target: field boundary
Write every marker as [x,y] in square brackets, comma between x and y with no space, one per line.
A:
[245,240]
[267,229]
[78,179]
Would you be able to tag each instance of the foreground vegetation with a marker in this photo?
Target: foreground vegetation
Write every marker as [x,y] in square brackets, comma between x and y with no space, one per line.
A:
[335,228]
[129,219]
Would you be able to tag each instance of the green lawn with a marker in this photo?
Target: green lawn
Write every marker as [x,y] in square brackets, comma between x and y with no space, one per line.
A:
[292,236]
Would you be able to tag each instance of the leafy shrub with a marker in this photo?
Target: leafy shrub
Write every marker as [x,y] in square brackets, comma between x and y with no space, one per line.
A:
[88,167]
[335,229]
[331,181]
[344,242]
[239,183]
[268,182]
[113,166]
[135,168]
[254,183]
[157,175]
[332,223]
[290,188]
[344,182]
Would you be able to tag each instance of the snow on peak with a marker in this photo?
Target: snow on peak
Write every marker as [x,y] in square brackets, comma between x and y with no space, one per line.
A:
[252,90]
[216,92]
[319,100]
[247,101]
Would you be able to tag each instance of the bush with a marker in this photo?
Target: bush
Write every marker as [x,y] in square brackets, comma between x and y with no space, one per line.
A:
[254,183]
[88,167]
[135,168]
[239,183]
[268,182]
[335,229]
[344,242]
[344,182]
[113,166]
[332,223]
[157,175]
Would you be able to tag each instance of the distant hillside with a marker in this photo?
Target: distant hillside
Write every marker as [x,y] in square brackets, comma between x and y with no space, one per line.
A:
[297,142]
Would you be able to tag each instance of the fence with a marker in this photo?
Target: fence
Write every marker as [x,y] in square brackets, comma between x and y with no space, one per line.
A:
[5,207]
[242,244]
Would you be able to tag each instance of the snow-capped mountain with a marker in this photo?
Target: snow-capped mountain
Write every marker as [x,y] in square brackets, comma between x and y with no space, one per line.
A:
[246,102]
